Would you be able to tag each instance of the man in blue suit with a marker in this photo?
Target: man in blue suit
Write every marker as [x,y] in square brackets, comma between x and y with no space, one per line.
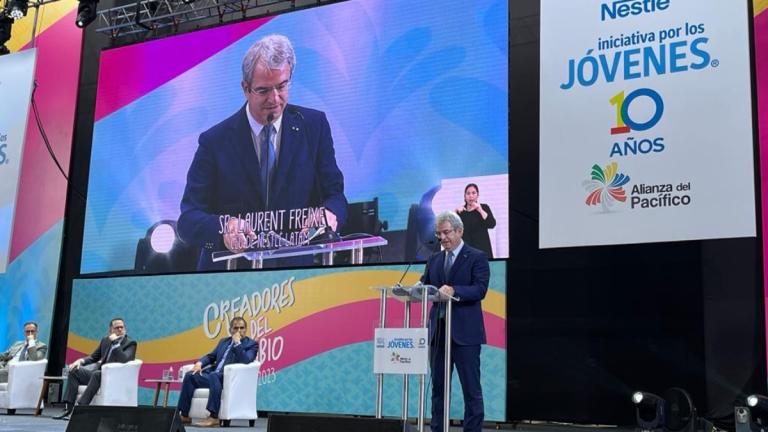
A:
[462,272]
[268,157]
[208,372]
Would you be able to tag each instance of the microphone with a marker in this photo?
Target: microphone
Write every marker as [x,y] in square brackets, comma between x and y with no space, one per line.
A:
[323,234]
[292,109]
[430,242]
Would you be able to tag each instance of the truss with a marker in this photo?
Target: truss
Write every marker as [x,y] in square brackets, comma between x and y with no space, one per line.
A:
[153,15]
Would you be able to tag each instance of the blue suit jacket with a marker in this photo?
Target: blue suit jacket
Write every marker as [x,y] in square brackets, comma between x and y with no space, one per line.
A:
[244,353]
[469,277]
[224,176]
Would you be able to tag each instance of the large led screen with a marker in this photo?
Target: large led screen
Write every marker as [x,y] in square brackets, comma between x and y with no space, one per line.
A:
[315,329]
[416,98]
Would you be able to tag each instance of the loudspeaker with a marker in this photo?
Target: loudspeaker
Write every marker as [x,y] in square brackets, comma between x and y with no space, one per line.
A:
[330,423]
[135,419]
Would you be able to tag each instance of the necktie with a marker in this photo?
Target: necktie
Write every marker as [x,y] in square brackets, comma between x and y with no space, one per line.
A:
[448,262]
[111,348]
[266,159]
[220,366]
[23,355]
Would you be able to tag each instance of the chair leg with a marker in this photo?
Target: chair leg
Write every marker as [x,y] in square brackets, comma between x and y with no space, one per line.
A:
[11,411]
[251,423]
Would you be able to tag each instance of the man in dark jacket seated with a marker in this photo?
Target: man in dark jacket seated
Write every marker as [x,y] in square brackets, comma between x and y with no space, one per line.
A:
[208,372]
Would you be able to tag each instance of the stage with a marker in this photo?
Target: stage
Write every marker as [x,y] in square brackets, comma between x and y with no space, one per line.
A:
[25,421]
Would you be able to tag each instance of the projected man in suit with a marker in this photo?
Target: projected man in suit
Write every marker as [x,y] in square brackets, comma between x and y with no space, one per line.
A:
[28,349]
[208,372]
[116,347]
[462,272]
[269,155]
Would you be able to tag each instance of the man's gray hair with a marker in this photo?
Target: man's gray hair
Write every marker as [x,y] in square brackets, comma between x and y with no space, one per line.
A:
[273,52]
[450,217]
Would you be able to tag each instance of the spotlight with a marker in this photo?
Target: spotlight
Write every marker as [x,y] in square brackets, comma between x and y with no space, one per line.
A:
[162,251]
[162,237]
[650,411]
[17,9]
[753,417]
[758,402]
[86,12]
[681,414]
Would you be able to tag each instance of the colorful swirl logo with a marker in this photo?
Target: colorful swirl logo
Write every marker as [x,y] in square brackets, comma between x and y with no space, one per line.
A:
[606,186]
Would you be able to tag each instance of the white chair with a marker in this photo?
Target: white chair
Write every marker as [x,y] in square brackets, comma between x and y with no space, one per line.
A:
[119,385]
[238,395]
[23,387]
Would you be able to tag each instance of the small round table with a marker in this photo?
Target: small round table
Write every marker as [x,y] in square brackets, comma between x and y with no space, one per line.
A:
[47,380]
[160,382]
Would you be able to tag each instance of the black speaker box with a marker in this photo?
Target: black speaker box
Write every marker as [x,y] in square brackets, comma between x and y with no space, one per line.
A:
[124,419]
[330,423]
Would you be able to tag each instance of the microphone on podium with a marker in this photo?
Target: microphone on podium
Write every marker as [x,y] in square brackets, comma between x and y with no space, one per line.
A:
[323,234]
[431,243]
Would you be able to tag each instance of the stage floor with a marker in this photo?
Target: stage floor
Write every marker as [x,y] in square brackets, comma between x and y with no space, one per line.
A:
[25,421]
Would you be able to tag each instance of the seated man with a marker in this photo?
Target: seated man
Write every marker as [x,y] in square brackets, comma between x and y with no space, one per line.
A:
[117,347]
[29,349]
[209,371]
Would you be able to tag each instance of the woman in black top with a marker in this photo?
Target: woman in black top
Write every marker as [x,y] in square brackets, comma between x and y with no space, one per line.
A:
[477,219]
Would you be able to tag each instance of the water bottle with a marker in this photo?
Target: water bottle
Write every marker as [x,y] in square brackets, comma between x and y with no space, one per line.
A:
[181,374]
[170,373]
[65,371]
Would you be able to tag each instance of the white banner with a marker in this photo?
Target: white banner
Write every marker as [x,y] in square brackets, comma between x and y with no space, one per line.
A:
[18,75]
[400,351]
[646,122]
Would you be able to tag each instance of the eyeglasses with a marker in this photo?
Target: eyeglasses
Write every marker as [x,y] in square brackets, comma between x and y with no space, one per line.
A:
[238,328]
[118,327]
[265,91]
[30,331]
[443,233]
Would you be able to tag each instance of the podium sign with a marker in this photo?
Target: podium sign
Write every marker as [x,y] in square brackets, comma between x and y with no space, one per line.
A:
[400,351]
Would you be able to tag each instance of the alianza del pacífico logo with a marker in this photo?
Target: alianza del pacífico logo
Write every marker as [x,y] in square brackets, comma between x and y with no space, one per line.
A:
[605,187]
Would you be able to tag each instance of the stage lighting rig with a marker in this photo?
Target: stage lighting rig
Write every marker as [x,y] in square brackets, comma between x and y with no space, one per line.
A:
[753,417]
[650,411]
[162,251]
[17,9]
[681,413]
[86,12]
[758,403]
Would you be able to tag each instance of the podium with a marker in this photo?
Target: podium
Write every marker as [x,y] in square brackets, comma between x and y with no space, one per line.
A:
[257,257]
[423,294]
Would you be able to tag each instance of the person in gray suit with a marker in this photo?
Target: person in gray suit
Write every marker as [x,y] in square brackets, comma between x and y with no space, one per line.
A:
[29,349]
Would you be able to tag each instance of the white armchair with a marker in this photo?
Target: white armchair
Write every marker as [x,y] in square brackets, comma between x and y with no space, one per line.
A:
[23,387]
[238,395]
[119,385]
